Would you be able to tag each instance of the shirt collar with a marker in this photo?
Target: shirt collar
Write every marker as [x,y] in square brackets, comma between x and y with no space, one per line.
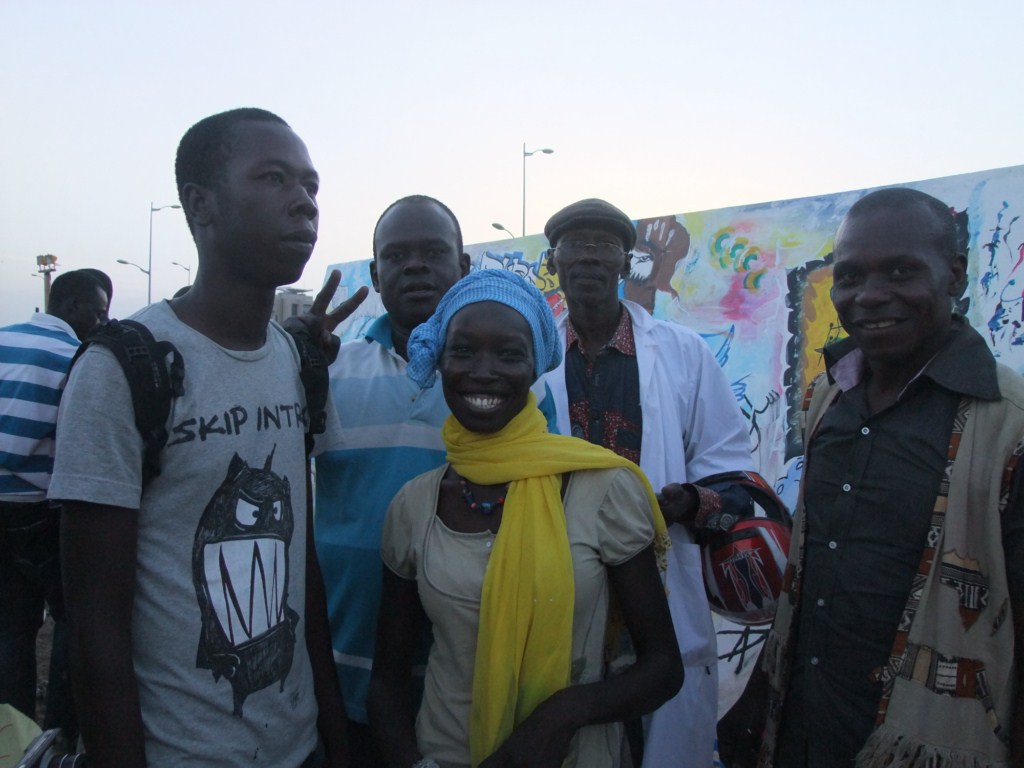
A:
[52,321]
[964,365]
[622,340]
[380,331]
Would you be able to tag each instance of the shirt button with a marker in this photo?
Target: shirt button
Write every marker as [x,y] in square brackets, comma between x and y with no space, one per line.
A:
[488,545]
[832,545]
[814,661]
[865,431]
[821,601]
[847,487]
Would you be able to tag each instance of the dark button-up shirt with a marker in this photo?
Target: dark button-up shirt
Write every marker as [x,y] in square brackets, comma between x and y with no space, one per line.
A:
[604,392]
[604,408]
[870,483]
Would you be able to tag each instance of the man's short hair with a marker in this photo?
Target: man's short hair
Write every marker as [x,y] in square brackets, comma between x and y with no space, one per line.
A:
[79,283]
[950,242]
[104,280]
[419,199]
[206,147]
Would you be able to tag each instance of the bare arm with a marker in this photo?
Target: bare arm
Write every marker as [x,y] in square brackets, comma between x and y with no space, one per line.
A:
[390,701]
[98,546]
[331,721]
[543,739]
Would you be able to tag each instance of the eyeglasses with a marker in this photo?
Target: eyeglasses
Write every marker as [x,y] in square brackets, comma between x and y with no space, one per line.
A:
[577,249]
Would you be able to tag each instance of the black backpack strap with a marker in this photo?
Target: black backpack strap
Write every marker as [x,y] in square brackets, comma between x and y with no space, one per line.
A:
[313,374]
[153,381]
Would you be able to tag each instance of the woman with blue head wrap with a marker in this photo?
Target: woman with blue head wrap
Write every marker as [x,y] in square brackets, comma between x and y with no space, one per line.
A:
[512,550]
[427,341]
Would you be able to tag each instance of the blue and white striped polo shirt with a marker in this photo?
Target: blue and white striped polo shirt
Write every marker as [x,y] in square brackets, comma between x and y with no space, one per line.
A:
[34,361]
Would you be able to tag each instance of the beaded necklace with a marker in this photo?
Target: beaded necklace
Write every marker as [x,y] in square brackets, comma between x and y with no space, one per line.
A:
[487,507]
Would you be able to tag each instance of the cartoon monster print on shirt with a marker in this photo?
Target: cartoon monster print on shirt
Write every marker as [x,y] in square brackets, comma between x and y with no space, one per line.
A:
[240,571]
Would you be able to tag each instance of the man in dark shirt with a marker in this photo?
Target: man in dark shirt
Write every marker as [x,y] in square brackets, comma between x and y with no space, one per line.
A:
[875,498]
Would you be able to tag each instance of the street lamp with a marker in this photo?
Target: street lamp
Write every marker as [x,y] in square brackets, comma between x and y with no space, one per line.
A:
[503,228]
[188,270]
[149,272]
[526,154]
[143,270]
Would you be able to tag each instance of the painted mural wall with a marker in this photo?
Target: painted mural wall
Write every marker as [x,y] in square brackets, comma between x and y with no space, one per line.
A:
[754,282]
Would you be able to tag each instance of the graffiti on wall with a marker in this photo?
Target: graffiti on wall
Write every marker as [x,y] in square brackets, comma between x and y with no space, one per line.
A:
[1000,280]
[754,282]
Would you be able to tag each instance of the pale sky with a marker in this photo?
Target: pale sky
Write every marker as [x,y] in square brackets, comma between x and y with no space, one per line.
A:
[660,106]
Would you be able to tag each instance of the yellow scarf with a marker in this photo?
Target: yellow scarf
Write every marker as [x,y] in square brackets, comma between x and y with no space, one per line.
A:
[524,641]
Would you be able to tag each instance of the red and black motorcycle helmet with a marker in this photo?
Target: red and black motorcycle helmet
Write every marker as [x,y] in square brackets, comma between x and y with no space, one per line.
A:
[744,566]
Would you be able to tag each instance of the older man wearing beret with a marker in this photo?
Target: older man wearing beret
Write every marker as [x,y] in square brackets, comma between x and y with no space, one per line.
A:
[652,392]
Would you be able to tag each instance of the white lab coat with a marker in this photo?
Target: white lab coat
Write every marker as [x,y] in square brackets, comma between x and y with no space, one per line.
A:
[692,428]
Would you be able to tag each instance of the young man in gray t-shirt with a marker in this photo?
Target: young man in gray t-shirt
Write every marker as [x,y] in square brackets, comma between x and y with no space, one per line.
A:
[199,628]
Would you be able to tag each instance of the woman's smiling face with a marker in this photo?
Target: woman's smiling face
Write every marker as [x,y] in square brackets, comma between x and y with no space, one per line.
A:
[487,365]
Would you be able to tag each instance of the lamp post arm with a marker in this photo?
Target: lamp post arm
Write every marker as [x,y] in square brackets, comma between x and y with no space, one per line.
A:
[149,271]
[525,155]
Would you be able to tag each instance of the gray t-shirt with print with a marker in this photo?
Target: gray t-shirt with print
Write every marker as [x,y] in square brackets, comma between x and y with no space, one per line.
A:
[218,623]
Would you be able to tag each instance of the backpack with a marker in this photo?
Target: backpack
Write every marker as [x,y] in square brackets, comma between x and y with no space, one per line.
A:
[155,372]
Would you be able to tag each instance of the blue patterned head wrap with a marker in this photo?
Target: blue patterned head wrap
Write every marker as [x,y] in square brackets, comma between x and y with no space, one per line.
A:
[426,343]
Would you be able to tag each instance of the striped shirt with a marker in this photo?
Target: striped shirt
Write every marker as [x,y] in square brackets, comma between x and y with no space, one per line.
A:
[34,361]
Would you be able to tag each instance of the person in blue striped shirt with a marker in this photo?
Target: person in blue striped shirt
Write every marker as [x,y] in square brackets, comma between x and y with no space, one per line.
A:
[34,361]
[391,432]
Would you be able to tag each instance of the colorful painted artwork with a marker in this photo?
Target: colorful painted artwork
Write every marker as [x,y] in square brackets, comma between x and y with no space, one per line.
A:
[754,281]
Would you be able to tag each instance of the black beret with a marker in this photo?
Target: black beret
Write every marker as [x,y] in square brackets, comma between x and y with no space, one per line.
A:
[591,214]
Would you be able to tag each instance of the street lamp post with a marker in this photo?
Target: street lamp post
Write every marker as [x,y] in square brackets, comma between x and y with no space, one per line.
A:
[188,270]
[526,154]
[149,272]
